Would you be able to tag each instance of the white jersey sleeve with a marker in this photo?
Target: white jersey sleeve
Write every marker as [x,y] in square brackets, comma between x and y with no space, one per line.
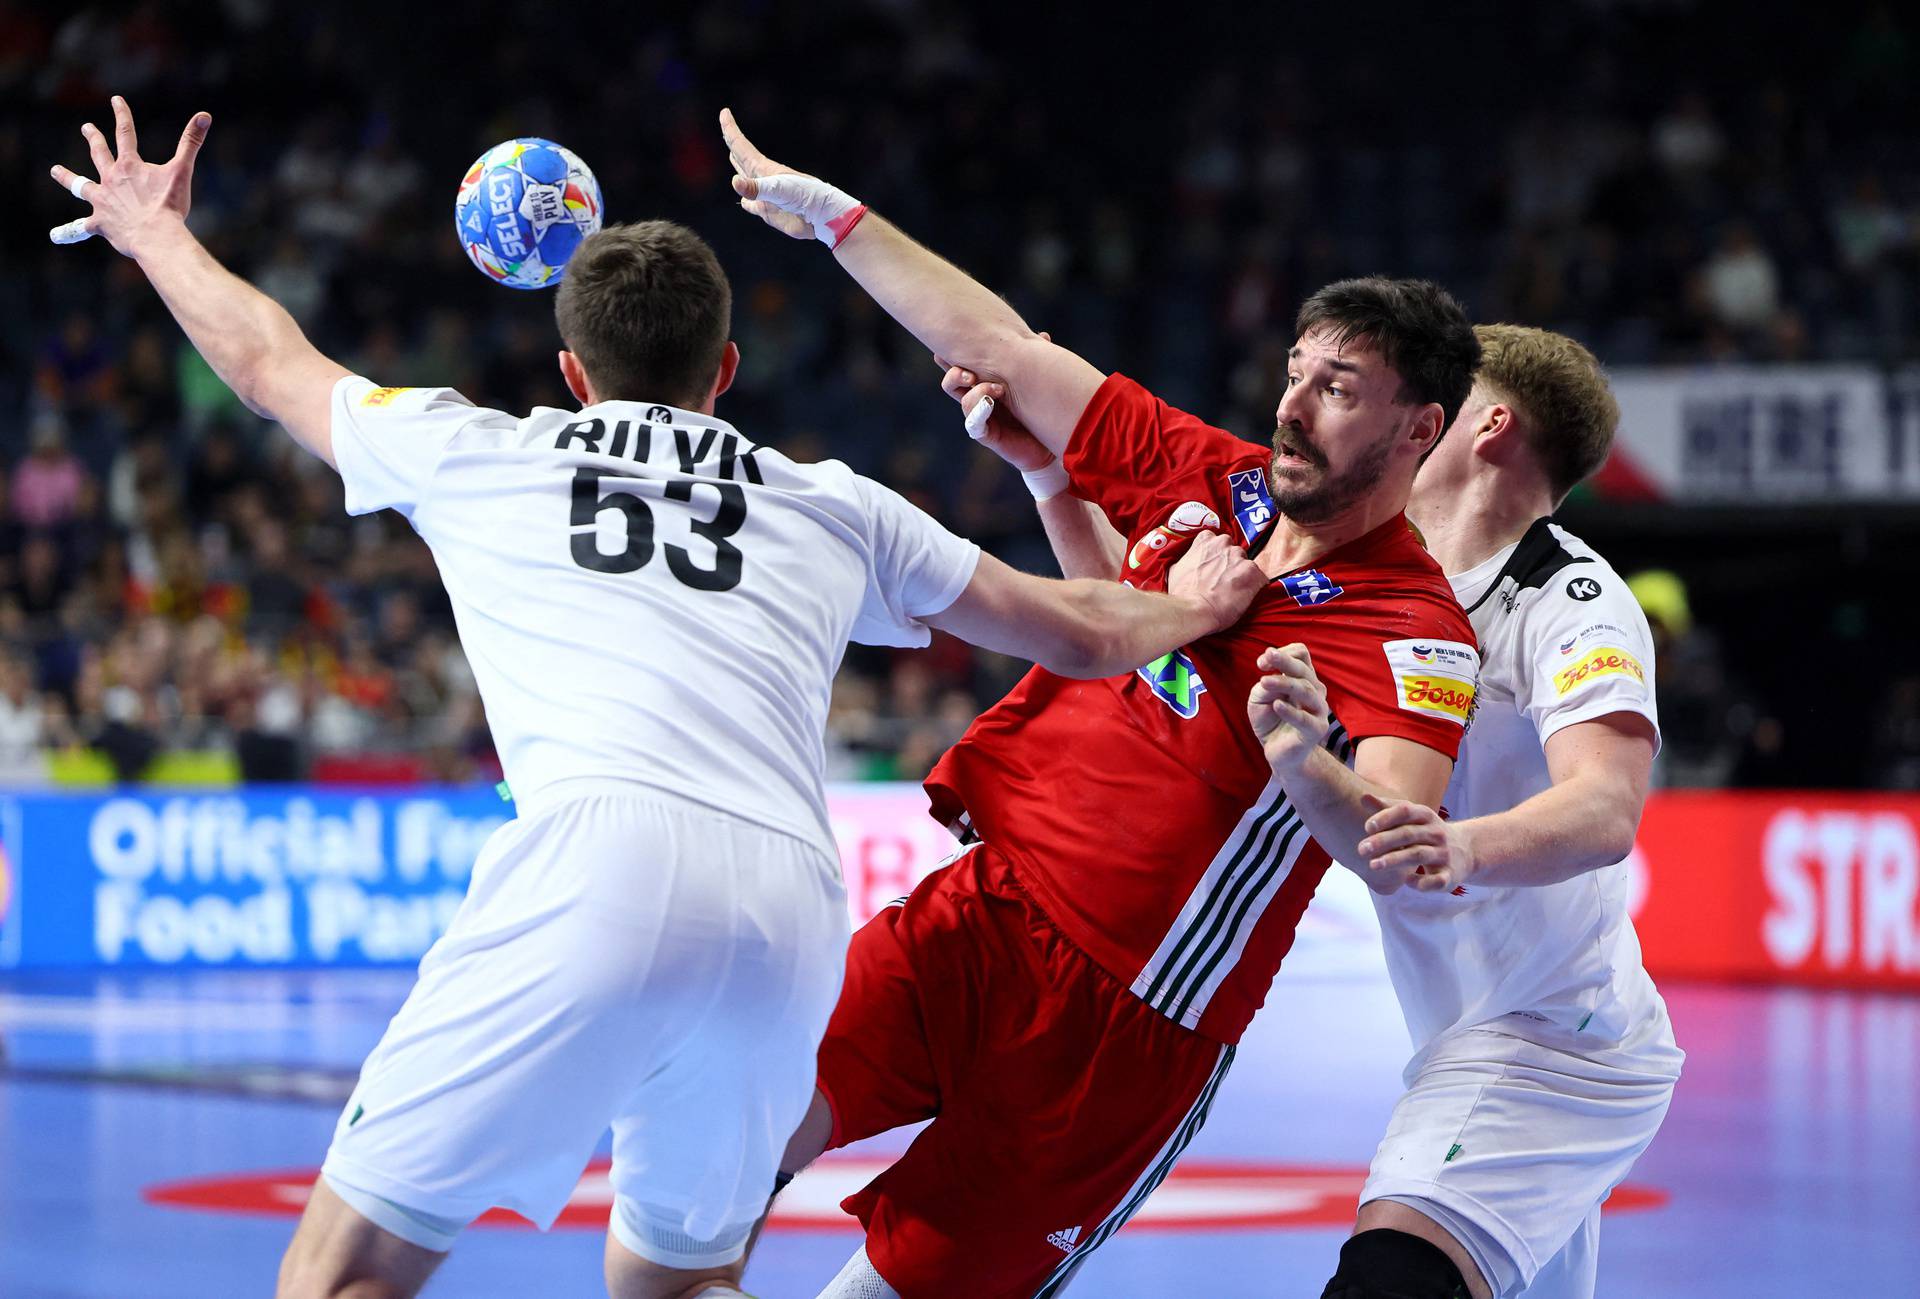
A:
[918,569]
[387,442]
[1586,652]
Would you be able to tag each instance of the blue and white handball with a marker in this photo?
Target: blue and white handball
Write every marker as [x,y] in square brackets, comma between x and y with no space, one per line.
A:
[523,207]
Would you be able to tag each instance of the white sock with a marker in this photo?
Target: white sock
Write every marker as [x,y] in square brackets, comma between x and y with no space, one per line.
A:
[858,1280]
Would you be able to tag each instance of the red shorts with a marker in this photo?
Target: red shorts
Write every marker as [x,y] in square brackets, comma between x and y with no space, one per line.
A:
[1059,1099]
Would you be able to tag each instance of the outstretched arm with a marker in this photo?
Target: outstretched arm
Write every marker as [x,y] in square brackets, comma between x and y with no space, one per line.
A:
[246,337]
[951,313]
[1093,628]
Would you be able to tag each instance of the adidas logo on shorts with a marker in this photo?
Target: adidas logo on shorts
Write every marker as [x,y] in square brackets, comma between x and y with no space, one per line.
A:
[1065,1241]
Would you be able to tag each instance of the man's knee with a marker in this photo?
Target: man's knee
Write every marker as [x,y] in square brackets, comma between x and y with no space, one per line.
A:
[1387,1264]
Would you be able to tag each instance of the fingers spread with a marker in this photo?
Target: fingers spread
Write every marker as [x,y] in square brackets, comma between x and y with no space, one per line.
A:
[192,138]
[97,148]
[124,138]
[72,232]
[72,182]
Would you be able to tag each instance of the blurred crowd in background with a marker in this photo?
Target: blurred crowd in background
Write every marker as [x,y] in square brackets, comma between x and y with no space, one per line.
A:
[182,595]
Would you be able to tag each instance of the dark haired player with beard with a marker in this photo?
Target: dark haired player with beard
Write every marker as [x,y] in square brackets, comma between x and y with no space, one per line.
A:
[1064,998]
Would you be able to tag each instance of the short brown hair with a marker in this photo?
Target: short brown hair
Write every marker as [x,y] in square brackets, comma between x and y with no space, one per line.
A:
[1420,330]
[647,310]
[1567,411]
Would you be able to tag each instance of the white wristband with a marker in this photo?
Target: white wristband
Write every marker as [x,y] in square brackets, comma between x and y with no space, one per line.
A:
[1048,481]
[833,213]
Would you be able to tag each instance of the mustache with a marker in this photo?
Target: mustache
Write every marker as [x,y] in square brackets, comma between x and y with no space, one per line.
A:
[1294,438]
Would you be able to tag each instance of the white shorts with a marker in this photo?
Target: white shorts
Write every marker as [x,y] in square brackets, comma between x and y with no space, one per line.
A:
[620,959]
[1512,1146]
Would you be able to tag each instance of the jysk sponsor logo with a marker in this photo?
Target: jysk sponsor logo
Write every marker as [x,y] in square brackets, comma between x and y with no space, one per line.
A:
[1435,677]
[1602,662]
[1252,503]
[1310,588]
[1176,683]
[382,396]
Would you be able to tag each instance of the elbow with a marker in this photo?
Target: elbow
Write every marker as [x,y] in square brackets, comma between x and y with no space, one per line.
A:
[1617,838]
[1080,650]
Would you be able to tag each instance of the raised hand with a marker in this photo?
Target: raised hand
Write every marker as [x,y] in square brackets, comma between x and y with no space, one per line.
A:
[132,197]
[1219,574]
[1288,707]
[792,202]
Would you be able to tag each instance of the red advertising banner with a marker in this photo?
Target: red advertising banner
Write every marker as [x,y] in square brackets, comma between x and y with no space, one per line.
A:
[1787,887]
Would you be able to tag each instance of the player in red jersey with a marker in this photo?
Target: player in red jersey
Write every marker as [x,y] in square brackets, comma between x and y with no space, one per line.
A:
[1063,999]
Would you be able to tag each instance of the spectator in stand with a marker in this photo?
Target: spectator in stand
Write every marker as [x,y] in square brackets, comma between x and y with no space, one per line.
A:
[47,484]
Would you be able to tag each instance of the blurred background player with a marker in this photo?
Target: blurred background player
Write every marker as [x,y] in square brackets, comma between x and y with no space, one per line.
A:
[1544,1060]
[1064,999]
[654,607]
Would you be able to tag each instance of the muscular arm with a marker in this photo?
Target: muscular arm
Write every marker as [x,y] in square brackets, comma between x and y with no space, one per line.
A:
[1585,820]
[946,309]
[1098,627]
[957,317]
[248,339]
[1290,717]
[1335,800]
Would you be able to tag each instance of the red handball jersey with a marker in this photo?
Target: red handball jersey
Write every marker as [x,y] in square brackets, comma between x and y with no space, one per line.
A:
[1139,811]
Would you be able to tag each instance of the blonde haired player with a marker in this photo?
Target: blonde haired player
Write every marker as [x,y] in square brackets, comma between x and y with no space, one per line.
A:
[654,607]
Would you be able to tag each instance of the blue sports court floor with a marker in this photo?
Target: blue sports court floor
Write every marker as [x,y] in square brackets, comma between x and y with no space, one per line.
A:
[155,1132]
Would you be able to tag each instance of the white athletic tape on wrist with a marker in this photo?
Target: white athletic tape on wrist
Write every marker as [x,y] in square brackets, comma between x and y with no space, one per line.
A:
[833,213]
[79,183]
[1048,481]
[977,419]
[72,232]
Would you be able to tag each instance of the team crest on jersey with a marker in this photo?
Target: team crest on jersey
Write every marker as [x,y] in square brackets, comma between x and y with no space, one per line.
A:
[1176,683]
[1310,587]
[1185,520]
[1252,503]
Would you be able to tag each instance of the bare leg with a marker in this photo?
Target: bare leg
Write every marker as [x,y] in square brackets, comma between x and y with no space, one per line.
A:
[1391,1215]
[337,1254]
[809,1142]
[631,1277]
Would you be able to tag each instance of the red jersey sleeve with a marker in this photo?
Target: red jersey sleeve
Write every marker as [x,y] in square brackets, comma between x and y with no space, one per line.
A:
[1137,458]
[1408,668]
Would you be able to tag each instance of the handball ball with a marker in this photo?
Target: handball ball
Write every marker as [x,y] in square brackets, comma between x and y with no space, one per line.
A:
[523,207]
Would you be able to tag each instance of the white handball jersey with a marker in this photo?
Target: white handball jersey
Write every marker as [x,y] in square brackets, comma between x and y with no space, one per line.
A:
[1562,641]
[644,594]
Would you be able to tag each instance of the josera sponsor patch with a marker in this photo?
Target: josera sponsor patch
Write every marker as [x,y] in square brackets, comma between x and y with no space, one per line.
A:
[1605,661]
[1435,677]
